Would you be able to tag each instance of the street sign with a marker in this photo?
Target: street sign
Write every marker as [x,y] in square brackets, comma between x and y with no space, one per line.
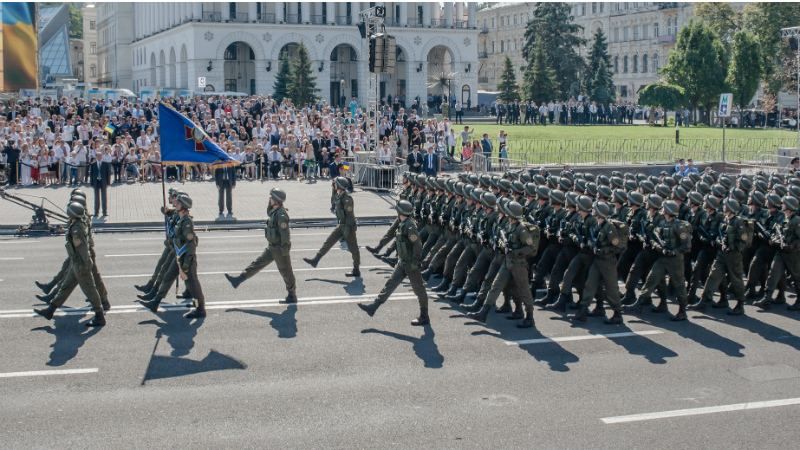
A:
[725,102]
[201,82]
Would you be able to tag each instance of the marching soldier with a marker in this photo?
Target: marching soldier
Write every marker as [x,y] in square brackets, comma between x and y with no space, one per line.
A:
[787,258]
[343,206]
[167,255]
[48,288]
[409,252]
[765,249]
[80,269]
[277,234]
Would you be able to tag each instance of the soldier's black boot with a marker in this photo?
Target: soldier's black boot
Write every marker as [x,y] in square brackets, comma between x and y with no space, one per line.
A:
[527,322]
[355,273]
[780,299]
[737,310]
[548,299]
[580,316]
[290,298]
[680,315]
[629,298]
[598,311]
[47,313]
[312,261]
[518,313]
[152,305]
[796,306]
[450,292]
[561,303]
[475,305]
[47,298]
[426,274]
[106,305]
[751,293]
[390,261]
[369,308]
[616,319]
[721,304]
[148,296]
[195,314]
[764,303]
[699,305]
[373,250]
[45,287]
[185,294]
[481,314]
[443,286]
[144,287]
[505,308]
[234,281]
[661,307]
[423,318]
[456,297]
[98,320]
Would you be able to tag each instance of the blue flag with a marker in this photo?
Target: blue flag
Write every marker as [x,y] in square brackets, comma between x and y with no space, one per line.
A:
[184,142]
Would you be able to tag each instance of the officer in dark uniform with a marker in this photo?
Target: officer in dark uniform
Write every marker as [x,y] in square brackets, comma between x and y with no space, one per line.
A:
[277,234]
[346,229]
[81,269]
[409,252]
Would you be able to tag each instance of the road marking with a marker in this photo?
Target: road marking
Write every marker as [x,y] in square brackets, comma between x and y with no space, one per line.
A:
[12,259]
[41,373]
[257,303]
[584,338]
[306,269]
[248,236]
[20,242]
[221,252]
[699,411]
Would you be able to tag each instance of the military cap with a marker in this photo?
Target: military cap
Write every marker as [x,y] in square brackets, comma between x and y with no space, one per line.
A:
[278,195]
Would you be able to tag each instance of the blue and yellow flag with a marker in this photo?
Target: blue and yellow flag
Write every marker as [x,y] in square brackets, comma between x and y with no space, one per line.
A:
[19,46]
[110,128]
[184,142]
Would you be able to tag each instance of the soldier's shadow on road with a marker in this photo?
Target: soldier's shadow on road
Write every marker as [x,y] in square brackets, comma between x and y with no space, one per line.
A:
[765,330]
[70,335]
[424,346]
[557,357]
[180,332]
[285,323]
[689,329]
[354,287]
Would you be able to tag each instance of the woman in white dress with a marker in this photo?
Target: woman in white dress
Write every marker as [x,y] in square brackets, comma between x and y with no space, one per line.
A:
[25,166]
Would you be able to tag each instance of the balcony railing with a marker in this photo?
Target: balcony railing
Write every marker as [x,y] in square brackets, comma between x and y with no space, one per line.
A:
[483,54]
[666,39]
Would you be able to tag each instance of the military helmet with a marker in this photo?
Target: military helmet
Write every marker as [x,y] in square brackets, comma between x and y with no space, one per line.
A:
[739,195]
[405,208]
[774,200]
[635,198]
[590,177]
[80,192]
[732,205]
[538,179]
[663,191]
[791,203]
[585,203]
[629,176]
[421,180]
[530,189]
[745,184]
[670,207]
[604,192]
[616,173]
[603,180]
[687,184]
[505,185]
[653,179]
[341,183]
[458,188]
[565,184]
[473,179]
[467,189]
[485,180]
[450,185]
[553,182]
[793,181]
[725,181]
[493,180]
[557,197]
[761,186]
[78,198]
[514,210]
[525,178]
[591,189]
[647,187]
[617,182]
[794,190]
[542,193]
[186,201]
[277,194]
[620,196]
[441,183]
[719,190]
[567,174]
[758,199]
[75,210]
[518,187]
[678,192]
[602,209]
[171,191]
[430,183]
[780,189]
[696,198]
[572,199]
[654,201]
[488,199]
[676,177]
[669,181]
[713,202]
[477,193]
[703,188]
[631,184]
[580,185]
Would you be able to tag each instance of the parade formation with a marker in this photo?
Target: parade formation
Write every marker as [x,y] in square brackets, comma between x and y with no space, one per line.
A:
[525,235]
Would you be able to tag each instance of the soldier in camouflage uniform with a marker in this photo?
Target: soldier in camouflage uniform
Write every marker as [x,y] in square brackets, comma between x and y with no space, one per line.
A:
[787,258]
[346,229]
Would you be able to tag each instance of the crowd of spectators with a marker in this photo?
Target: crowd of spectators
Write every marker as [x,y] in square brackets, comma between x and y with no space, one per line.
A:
[46,142]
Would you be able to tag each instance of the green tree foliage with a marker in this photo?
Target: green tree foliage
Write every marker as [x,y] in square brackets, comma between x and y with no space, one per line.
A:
[598,57]
[697,64]
[721,18]
[302,87]
[75,22]
[509,91]
[744,69]
[552,23]
[765,21]
[540,80]
[281,86]
[667,96]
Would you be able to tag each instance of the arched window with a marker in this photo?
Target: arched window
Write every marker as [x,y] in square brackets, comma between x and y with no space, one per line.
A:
[625,64]
[502,46]
[655,62]
[644,63]
[635,63]
[655,29]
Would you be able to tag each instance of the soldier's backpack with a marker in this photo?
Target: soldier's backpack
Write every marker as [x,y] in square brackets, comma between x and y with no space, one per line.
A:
[619,237]
[684,238]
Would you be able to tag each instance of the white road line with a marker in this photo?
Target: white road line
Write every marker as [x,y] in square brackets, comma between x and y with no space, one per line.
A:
[221,252]
[700,411]
[258,303]
[584,338]
[248,236]
[40,373]
[305,269]
[12,259]
[20,242]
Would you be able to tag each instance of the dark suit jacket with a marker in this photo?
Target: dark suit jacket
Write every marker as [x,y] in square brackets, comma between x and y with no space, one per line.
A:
[430,167]
[225,172]
[411,160]
[100,176]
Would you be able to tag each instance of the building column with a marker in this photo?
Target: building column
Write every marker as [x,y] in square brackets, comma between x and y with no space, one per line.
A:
[403,14]
[197,11]
[472,9]
[226,12]
[330,7]
[355,8]
[252,12]
[279,16]
[459,13]
[426,14]
[305,16]
[448,14]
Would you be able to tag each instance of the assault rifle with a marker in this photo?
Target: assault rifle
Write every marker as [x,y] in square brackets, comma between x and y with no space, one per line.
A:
[502,242]
[762,231]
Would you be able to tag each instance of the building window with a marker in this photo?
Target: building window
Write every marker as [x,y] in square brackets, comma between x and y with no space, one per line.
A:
[645,30]
[644,63]
[635,63]
[583,9]
[419,15]
[232,12]
[625,33]
[92,25]
[92,71]
[492,20]
[230,84]
[93,48]
[655,29]
[230,55]
[594,8]
[492,46]
[623,90]
[655,62]
[625,64]
[616,64]
[636,32]
[502,46]
[601,8]
[616,34]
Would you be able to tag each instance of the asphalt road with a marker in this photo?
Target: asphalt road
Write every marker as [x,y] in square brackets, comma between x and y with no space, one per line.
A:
[322,374]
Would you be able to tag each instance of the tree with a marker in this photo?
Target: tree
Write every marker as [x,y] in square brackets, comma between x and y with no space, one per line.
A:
[765,21]
[75,22]
[281,86]
[302,86]
[697,64]
[599,56]
[540,80]
[744,71]
[508,83]
[720,17]
[602,86]
[664,95]
[552,23]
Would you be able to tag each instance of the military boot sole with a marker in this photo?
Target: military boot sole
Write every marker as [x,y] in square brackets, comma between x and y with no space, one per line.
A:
[196,314]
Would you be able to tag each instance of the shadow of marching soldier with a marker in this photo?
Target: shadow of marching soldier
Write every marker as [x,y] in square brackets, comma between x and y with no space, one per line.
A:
[424,346]
[285,323]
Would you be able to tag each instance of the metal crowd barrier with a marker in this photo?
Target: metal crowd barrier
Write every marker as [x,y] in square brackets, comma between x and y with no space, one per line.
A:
[379,177]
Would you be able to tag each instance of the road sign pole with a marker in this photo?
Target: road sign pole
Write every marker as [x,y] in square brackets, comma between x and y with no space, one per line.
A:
[723,141]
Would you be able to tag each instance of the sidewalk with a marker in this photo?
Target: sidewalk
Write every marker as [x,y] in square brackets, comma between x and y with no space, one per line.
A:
[138,204]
